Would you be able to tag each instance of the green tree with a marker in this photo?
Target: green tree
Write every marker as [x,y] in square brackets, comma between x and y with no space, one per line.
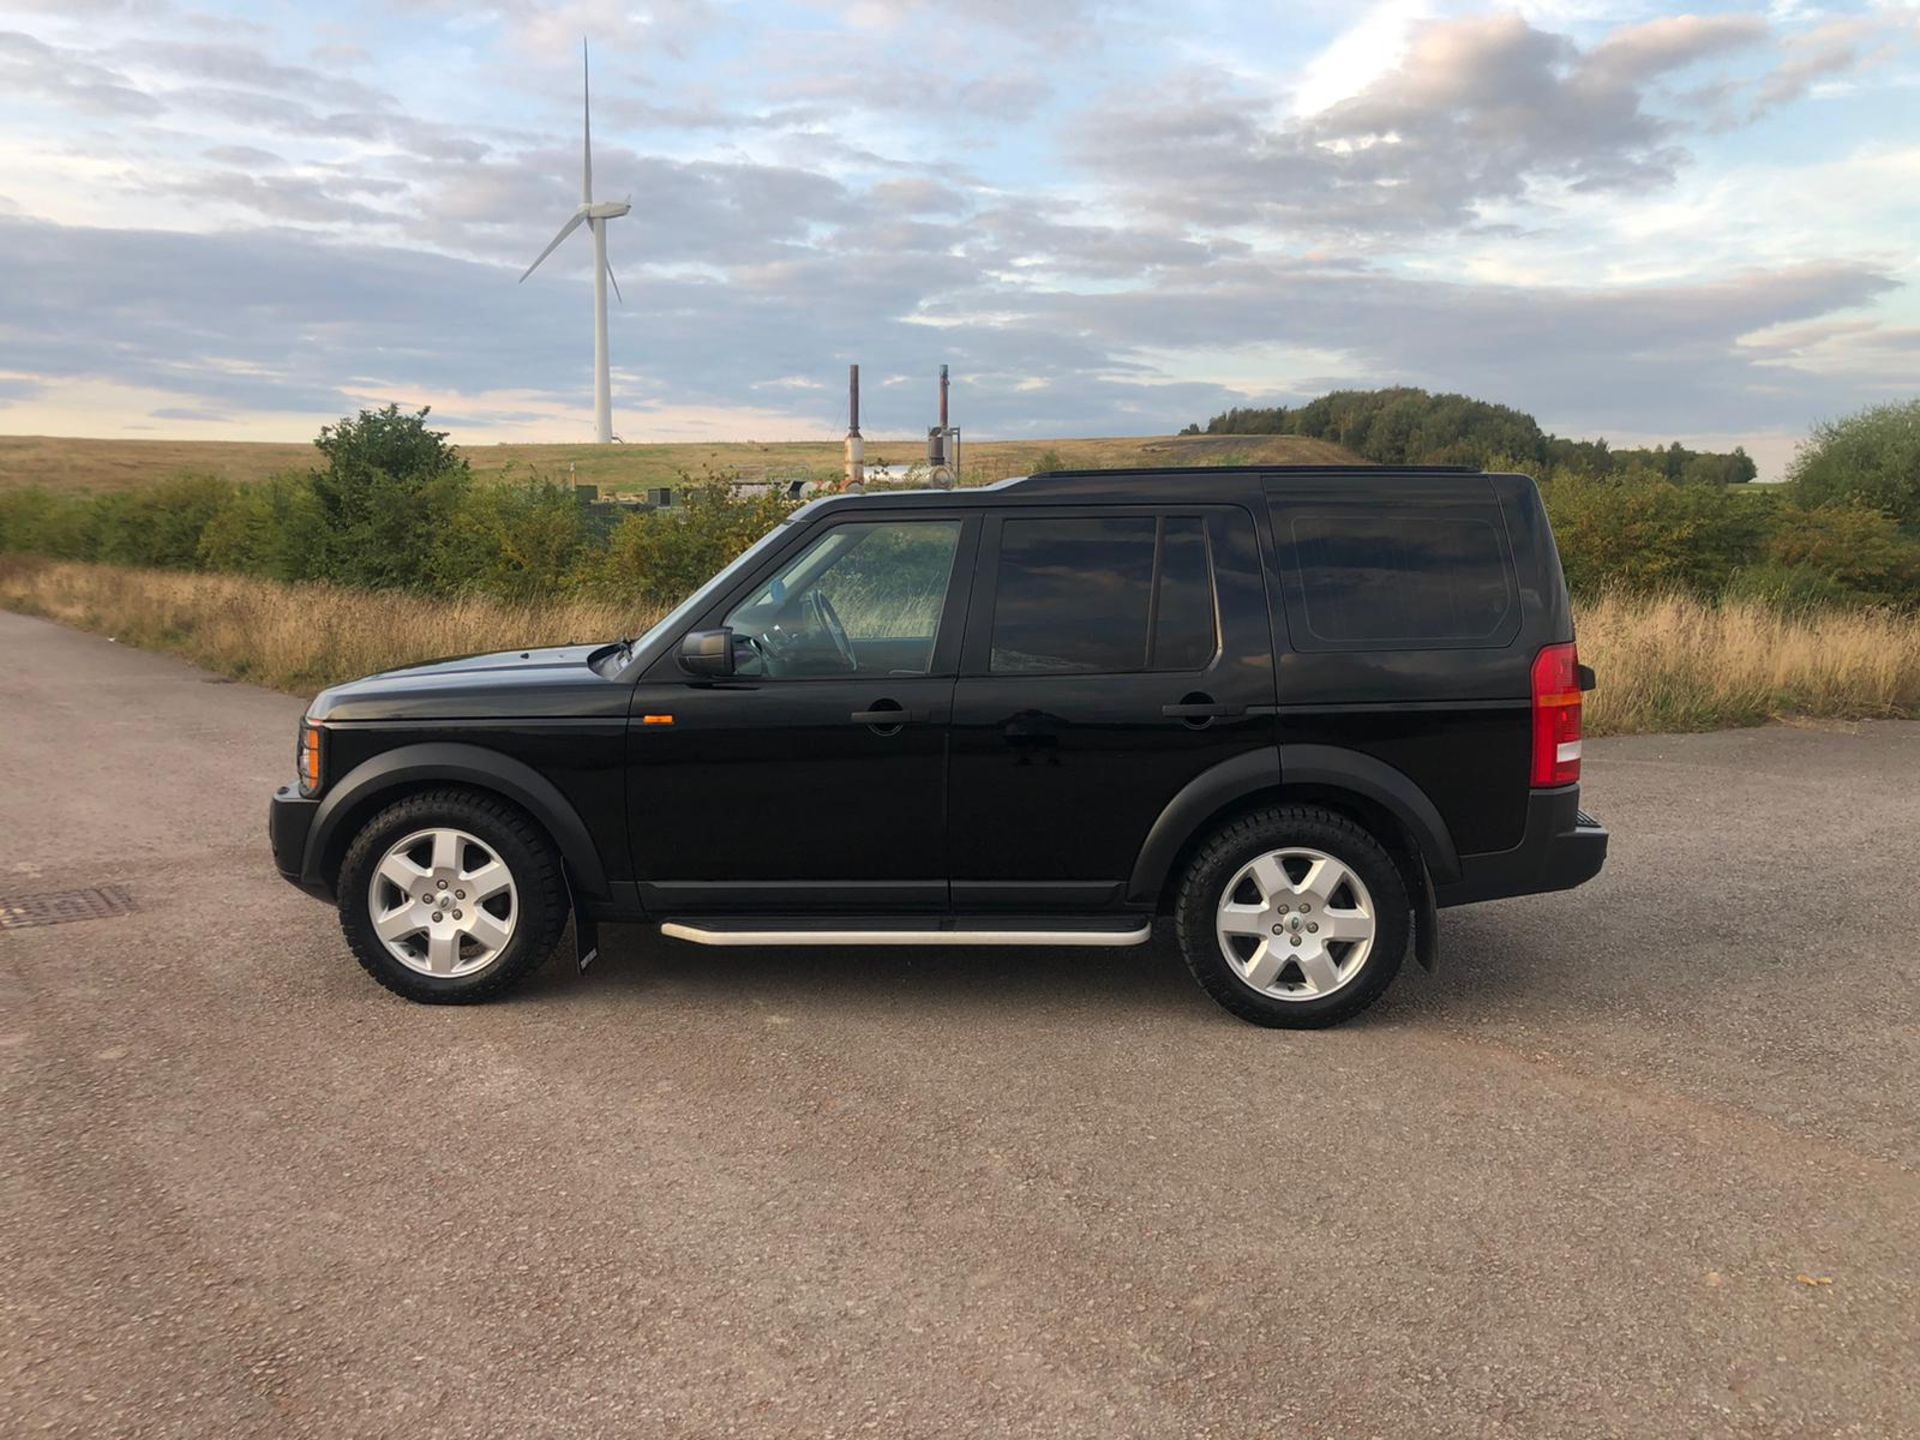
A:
[1871,457]
[388,496]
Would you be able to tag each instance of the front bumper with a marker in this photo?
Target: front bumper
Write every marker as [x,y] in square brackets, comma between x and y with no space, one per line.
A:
[1562,847]
[289,821]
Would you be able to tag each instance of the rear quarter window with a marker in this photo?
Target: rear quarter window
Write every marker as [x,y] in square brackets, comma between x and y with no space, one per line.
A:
[1397,578]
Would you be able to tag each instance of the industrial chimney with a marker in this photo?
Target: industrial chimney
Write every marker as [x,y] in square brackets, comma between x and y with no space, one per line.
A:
[943,445]
[856,447]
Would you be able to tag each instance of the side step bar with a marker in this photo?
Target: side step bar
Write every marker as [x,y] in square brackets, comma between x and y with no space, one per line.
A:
[911,930]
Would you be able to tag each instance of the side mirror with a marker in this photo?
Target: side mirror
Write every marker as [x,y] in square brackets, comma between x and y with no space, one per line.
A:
[707,652]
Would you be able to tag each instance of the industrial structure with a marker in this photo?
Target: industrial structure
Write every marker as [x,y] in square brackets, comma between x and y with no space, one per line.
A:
[595,216]
[943,446]
[856,480]
[943,441]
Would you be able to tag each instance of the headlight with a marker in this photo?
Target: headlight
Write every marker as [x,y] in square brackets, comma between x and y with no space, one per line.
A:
[308,758]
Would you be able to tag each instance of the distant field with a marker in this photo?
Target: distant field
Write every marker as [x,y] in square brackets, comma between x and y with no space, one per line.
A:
[103,465]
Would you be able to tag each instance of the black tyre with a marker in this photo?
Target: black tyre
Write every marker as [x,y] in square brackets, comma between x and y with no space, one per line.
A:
[451,896]
[1294,916]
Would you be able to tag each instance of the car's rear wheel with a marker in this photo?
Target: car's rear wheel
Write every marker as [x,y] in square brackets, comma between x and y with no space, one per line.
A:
[451,896]
[1293,916]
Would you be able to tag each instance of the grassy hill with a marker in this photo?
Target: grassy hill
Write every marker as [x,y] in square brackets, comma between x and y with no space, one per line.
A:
[99,466]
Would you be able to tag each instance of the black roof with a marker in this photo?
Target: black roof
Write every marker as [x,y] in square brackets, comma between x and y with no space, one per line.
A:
[1191,483]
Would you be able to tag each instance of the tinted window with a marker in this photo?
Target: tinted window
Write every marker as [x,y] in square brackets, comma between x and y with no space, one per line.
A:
[1076,597]
[862,599]
[1184,630]
[1072,596]
[1413,579]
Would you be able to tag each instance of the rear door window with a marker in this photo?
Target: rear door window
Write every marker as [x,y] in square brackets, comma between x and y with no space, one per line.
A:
[1397,577]
[1185,631]
[1102,595]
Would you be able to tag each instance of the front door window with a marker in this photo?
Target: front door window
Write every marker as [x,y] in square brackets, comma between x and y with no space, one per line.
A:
[863,599]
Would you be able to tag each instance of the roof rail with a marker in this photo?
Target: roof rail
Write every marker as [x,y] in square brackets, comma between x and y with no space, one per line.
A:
[1267,470]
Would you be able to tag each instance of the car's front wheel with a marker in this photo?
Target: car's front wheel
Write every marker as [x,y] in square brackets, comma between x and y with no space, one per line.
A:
[451,896]
[1294,916]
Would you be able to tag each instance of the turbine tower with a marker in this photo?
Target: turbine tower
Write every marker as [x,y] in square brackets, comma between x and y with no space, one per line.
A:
[596,217]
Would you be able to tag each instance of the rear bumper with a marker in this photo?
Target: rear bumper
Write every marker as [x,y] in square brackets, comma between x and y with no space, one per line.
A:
[1563,847]
[289,821]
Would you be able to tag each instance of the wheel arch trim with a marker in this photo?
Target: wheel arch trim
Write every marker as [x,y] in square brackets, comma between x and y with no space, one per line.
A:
[393,772]
[1274,768]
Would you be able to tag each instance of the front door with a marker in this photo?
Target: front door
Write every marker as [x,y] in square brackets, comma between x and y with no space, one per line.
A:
[814,778]
[1112,656]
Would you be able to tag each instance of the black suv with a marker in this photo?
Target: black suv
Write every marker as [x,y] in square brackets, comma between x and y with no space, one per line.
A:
[1297,710]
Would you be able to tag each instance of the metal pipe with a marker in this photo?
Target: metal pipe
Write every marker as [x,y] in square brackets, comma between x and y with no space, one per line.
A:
[856,447]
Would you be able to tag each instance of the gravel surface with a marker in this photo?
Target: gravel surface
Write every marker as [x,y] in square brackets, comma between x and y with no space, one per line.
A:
[1577,1183]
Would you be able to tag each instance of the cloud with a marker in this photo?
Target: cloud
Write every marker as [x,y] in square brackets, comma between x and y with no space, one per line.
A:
[1831,49]
[283,322]
[250,156]
[818,77]
[251,68]
[1639,53]
[1476,112]
[295,198]
[1104,222]
[67,78]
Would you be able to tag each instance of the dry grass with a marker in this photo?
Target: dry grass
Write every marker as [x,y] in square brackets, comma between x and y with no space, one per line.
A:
[1664,663]
[1673,663]
[298,638]
[98,466]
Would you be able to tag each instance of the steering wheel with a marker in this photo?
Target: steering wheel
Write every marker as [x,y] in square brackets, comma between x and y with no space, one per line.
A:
[829,619]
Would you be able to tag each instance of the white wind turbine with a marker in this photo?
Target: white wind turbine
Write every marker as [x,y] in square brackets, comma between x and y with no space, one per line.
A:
[596,217]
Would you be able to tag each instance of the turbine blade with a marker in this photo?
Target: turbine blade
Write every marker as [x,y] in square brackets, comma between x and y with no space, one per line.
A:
[586,128]
[615,283]
[554,244]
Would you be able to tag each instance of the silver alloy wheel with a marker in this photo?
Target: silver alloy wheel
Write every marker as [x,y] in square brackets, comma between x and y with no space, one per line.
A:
[1295,924]
[443,903]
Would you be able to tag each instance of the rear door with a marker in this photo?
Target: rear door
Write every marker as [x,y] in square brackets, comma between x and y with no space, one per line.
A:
[1112,655]
[1403,616]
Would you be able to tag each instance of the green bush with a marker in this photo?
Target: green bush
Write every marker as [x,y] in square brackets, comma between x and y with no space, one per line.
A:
[521,539]
[1640,532]
[41,522]
[1855,548]
[658,556]
[1870,458]
[395,506]
[275,530]
[160,526]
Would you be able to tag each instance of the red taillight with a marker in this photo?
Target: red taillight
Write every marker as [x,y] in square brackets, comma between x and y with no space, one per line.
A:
[1556,716]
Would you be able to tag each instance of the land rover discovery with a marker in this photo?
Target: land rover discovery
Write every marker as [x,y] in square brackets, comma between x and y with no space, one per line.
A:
[1294,711]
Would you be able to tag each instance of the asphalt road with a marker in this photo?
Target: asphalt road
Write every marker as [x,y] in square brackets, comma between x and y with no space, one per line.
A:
[1567,1186]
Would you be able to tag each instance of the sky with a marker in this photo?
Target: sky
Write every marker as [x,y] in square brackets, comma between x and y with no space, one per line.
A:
[1110,217]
